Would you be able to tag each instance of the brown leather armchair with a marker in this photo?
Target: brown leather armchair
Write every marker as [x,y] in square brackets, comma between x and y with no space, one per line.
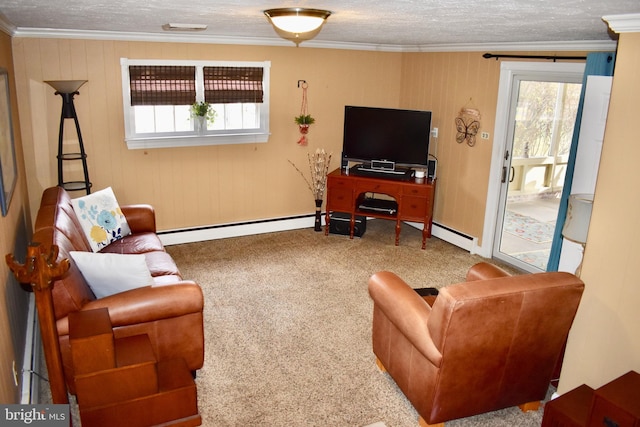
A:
[486,344]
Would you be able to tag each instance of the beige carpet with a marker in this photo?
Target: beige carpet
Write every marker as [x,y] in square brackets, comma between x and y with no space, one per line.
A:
[288,327]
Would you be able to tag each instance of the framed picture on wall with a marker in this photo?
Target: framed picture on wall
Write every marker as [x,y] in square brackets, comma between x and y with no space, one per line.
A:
[7,148]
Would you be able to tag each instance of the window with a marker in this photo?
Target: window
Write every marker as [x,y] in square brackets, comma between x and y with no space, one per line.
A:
[545,116]
[158,95]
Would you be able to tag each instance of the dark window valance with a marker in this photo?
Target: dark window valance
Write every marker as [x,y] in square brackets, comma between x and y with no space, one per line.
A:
[162,84]
[226,85]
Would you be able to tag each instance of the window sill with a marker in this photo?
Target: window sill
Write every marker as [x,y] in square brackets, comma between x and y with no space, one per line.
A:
[195,140]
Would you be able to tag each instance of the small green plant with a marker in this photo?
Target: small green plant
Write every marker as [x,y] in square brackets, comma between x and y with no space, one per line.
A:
[203,109]
[305,119]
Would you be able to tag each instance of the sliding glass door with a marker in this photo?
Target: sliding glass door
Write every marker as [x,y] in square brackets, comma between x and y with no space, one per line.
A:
[540,120]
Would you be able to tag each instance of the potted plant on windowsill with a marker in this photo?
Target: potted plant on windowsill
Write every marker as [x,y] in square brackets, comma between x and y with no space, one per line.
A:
[202,113]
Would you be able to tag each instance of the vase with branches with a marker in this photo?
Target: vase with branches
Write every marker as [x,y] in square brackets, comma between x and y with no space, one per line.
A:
[318,167]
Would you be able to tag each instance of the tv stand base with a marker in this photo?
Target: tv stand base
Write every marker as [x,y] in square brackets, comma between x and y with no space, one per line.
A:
[413,200]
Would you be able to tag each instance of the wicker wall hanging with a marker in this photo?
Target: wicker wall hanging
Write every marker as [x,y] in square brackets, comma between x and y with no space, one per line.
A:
[467,125]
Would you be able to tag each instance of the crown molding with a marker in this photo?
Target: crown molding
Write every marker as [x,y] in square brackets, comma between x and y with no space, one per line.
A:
[629,23]
[6,26]
[555,46]
[587,45]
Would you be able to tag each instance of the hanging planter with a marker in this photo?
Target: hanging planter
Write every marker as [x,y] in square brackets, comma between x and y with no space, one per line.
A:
[304,120]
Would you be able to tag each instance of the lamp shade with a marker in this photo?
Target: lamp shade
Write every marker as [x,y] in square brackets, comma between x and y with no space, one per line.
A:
[297,24]
[66,86]
[576,225]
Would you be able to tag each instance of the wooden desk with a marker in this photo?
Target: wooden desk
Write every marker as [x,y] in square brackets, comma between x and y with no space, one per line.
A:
[414,199]
[615,404]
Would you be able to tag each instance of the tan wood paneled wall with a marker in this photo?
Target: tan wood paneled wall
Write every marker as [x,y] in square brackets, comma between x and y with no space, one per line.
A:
[199,186]
[196,186]
[445,83]
[14,232]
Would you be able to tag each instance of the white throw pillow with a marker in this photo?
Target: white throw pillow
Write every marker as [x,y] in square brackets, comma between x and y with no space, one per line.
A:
[109,274]
[101,218]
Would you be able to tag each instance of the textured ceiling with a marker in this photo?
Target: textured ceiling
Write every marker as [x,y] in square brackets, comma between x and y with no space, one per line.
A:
[405,23]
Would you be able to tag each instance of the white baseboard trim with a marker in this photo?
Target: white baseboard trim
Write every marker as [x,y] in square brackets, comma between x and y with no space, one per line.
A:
[29,386]
[449,235]
[223,231]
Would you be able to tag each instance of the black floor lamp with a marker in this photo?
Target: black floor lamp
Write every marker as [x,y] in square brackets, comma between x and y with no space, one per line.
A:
[67,89]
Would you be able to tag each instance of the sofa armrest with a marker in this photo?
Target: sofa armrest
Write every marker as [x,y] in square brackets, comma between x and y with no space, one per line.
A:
[141,218]
[484,270]
[407,310]
[146,304]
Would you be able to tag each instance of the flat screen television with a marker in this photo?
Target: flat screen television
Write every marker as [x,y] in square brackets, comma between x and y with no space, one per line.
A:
[386,138]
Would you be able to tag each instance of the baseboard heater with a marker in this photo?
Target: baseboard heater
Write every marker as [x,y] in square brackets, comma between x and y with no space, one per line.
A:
[29,385]
[236,229]
[456,232]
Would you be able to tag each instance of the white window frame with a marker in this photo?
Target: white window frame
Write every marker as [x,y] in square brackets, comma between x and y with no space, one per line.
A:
[189,139]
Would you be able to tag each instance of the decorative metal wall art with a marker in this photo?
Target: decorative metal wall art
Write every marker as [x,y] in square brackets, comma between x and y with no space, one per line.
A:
[467,125]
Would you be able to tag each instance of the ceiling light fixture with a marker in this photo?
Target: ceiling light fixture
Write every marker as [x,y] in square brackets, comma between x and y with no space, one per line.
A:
[297,24]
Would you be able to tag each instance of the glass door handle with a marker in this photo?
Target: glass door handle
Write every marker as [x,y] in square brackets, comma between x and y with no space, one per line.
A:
[512,174]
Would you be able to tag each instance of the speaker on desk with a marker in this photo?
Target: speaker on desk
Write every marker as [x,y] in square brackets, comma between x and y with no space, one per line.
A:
[340,223]
[344,165]
[431,168]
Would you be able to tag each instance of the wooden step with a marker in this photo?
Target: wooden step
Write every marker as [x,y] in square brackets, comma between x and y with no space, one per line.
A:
[135,375]
[120,382]
[92,343]
[175,403]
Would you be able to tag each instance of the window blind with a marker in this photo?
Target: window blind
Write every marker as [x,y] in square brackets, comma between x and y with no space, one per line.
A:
[226,85]
[162,85]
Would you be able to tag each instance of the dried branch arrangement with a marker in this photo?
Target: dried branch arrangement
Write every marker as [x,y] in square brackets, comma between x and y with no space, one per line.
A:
[319,167]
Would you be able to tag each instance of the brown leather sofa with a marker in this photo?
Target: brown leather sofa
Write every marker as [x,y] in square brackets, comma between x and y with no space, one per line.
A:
[169,312]
[486,344]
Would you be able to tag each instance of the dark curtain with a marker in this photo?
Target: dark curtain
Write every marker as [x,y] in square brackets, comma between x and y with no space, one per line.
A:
[598,64]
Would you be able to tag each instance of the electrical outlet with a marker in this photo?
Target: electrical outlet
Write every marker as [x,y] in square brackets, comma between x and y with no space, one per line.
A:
[15,374]
[484,135]
[434,132]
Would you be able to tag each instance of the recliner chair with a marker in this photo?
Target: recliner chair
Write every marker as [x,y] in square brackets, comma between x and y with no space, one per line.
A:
[486,344]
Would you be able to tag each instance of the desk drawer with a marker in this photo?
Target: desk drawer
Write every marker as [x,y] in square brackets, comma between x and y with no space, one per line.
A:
[340,199]
[414,208]
[416,190]
[391,189]
[339,182]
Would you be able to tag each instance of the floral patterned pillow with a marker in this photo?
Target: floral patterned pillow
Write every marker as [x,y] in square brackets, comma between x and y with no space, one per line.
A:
[101,218]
